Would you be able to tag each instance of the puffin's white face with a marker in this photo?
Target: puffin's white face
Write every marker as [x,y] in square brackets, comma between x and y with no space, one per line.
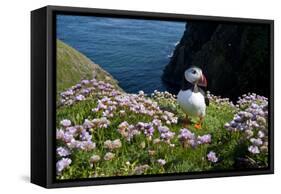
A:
[194,75]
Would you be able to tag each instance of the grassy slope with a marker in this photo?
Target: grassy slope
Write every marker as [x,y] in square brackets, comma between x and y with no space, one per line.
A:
[73,66]
[178,159]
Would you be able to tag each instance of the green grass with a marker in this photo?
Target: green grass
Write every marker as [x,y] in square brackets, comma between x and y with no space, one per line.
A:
[178,159]
[73,66]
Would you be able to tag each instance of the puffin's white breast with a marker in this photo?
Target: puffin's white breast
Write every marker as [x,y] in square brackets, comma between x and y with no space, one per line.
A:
[192,103]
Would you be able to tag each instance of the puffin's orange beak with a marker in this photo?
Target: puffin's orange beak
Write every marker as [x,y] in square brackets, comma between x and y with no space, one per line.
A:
[202,81]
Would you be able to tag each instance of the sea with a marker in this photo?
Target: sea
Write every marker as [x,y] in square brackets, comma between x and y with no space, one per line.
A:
[133,51]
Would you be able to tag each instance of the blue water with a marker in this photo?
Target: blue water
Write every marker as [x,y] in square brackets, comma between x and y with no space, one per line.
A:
[133,51]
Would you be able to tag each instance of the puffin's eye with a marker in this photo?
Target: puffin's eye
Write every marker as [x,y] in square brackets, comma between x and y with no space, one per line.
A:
[193,72]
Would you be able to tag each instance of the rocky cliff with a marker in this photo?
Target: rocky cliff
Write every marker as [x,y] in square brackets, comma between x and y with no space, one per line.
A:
[234,57]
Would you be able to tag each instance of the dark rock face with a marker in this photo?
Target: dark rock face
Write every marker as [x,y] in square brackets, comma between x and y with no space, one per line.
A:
[234,57]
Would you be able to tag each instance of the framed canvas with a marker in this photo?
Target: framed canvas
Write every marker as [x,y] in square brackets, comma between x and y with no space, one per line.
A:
[126,96]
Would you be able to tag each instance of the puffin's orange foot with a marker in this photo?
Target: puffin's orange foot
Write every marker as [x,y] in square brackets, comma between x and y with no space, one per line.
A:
[198,126]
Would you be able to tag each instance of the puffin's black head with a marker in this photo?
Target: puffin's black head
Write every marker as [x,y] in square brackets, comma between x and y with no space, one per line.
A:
[194,75]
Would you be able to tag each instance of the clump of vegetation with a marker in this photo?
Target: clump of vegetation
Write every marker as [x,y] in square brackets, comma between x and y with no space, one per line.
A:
[102,131]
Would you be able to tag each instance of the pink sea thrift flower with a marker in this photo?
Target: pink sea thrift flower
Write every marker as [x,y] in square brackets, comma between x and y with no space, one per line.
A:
[205,139]
[80,97]
[109,156]
[65,122]
[61,151]
[62,164]
[212,157]
[162,162]
[254,149]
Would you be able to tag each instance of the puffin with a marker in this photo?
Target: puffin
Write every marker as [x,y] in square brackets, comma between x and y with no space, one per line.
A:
[191,98]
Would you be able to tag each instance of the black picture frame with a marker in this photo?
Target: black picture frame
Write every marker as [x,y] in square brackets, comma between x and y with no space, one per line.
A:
[43,94]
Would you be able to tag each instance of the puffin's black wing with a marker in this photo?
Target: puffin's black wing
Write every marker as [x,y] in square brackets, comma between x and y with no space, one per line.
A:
[187,85]
[207,101]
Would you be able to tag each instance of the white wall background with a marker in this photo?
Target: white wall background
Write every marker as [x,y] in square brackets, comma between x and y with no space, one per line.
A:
[15,94]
